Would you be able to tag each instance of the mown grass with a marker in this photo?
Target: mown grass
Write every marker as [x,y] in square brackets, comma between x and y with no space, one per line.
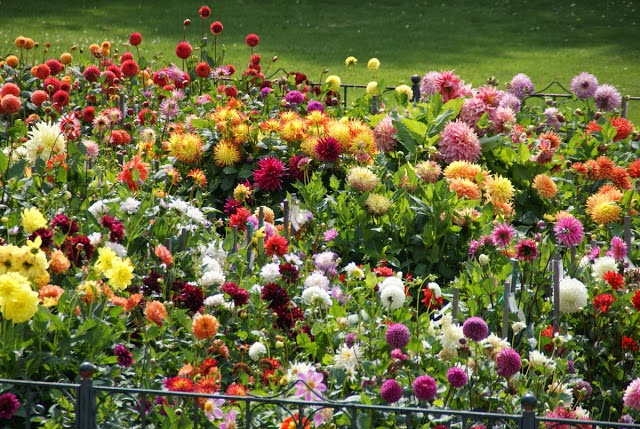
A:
[549,40]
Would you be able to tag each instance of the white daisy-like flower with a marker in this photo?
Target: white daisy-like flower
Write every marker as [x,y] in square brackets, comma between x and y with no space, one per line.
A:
[257,350]
[518,326]
[391,281]
[493,344]
[99,208]
[316,296]
[298,368]
[270,272]
[256,289]
[292,258]
[602,265]
[573,295]
[130,205]
[317,279]
[216,300]
[348,357]
[118,248]
[392,296]
[178,205]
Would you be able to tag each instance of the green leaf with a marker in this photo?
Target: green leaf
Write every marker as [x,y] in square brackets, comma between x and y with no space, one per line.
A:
[334,183]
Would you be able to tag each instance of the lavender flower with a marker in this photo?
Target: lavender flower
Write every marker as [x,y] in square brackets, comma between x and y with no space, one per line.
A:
[607,98]
[584,85]
[521,86]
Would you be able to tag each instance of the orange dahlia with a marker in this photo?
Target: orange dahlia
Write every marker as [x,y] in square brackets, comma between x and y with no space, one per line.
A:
[134,172]
[545,186]
[634,169]
[204,326]
[463,170]
[464,188]
[50,295]
[623,127]
[155,312]
[164,254]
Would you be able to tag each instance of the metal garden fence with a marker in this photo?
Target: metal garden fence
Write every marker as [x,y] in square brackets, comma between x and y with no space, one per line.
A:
[90,405]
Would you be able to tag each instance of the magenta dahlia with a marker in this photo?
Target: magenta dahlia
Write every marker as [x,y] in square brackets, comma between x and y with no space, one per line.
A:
[425,388]
[391,391]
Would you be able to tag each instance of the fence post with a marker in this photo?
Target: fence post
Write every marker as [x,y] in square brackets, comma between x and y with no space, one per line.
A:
[374,104]
[415,88]
[529,403]
[86,405]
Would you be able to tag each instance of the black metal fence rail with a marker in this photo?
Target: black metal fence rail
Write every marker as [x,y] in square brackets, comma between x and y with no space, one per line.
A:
[91,406]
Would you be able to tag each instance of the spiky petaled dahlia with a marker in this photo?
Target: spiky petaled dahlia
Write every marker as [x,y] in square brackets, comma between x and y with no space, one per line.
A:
[568,231]
[465,188]
[623,127]
[451,86]
[362,179]
[463,170]
[294,130]
[521,86]
[134,172]
[226,154]
[620,178]
[499,188]
[377,204]
[545,186]
[383,135]
[602,207]
[185,147]
[634,169]
[179,384]
[340,131]
[429,171]
[327,149]
[458,142]
[607,97]
[270,174]
[584,85]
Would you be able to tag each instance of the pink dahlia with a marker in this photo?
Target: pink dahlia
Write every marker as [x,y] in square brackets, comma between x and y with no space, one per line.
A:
[502,234]
[383,135]
[631,396]
[270,173]
[9,405]
[475,328]
[527,250]
[569,231]
[457,377]
[458,142]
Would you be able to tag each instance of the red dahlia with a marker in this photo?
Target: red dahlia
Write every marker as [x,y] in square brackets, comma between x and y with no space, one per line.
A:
[252,40]
[204,12]
[135,39]
[276,245]
[269,174]
[183,50]
[328,149]
[216,28]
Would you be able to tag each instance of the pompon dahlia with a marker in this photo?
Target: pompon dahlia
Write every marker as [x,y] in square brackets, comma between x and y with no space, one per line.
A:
[458,142]
[508,362]
[568,231]
[545,186]
[457,377]
[425,388]
[391,391]
[204,326]
[184,50]
[327,149]
[9,405]
[607,97]
[377,204]
[584,85]
[124,356]
[270,174]
[631,397]
[475,328]
[397,336]
[383,135]
[465,188]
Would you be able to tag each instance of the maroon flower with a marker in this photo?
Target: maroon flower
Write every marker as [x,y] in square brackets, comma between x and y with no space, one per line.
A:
[289,272]
[9,405]
[270,174]
[328,149]
[526,250]
[45,234]
[115,226]
[391,391]
[275,295]
[77,249]
[425,388]
[190,297]
[125,358]
[91,73]
[297,165]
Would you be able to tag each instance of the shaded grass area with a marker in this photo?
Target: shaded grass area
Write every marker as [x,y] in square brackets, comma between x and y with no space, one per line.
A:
[549,40]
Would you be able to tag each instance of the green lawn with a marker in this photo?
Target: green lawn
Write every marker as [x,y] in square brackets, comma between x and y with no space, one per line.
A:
[550,40]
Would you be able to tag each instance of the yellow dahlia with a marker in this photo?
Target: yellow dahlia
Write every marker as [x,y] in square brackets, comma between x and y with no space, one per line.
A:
[317,120]
[372,88]
[120,274]
[198,177]
[545,186]
[350,61]
[362,179]
[225,154]
[22,303]
[308,146]
[334,82]
[340,131]
[241,192]
[293,131]
[268,214]
[377,204]
[185,147]
[33,220]
[362,141]
[241,133]
[270,126]
[499,188]
[373,64]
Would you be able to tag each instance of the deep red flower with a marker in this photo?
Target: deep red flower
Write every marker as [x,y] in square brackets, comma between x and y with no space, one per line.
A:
[216,27]
[252,40]
[184,50]
[270,174]
[276,245]
[88,114]
[65,225]
[147,115]
[55,66]
[289,272]
[296,167]
[115,226]
[135,38]
[275,295]
[603,302]
[204,12]
[52,84]
[45,234]
[125,57]
[328,149]
[191,297]
[60,98]
[614,279]
[78,249]
[635,300]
